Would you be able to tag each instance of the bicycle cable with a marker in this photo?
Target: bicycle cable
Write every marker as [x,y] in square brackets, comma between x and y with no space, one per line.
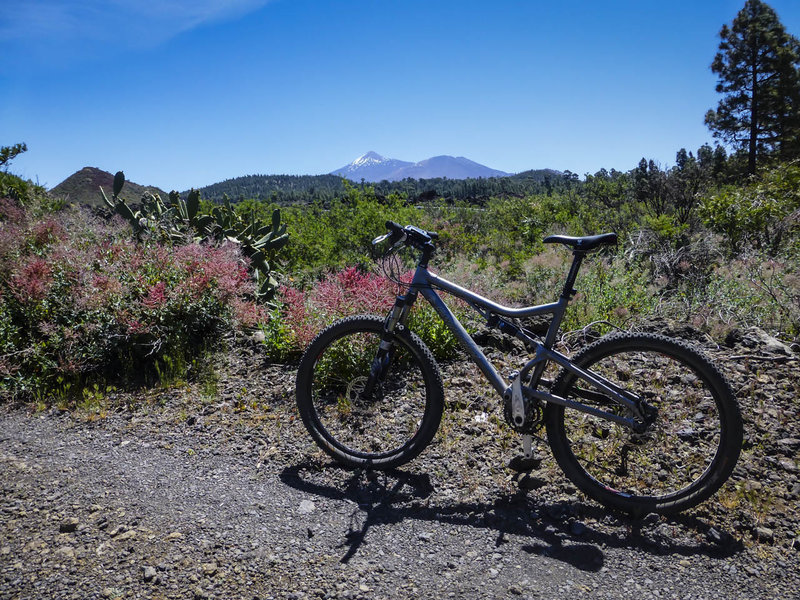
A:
[391,265]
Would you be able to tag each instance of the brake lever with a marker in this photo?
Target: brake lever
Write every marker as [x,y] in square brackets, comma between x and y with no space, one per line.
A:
[394,247]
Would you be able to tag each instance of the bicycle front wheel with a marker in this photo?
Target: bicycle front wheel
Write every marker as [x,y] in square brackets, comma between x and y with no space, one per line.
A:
[681,459]
[367,406]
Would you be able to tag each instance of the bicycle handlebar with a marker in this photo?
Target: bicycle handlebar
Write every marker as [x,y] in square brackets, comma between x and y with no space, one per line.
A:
[411,235]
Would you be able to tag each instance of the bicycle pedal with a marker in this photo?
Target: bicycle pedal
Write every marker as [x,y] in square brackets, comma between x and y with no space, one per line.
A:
[523,465]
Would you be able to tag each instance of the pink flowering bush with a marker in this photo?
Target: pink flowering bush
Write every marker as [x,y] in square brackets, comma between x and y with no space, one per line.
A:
[348,292]
[80,302]
[304,313]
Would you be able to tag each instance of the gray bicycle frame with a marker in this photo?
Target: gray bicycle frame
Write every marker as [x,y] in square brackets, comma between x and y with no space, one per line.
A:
[426,283]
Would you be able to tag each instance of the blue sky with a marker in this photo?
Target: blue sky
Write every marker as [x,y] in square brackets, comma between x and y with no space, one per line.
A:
[184,93]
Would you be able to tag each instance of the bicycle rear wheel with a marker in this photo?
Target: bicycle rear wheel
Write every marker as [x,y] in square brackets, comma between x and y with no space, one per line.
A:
[383,427]
[682,458]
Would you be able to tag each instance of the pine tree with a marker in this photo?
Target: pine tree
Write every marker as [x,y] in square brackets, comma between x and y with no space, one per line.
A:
[757,65]
[8,153]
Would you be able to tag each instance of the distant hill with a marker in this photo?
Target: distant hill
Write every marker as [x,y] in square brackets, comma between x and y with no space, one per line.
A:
[373,167]
[538,175]
[83,187]
[476,191]
[281,189]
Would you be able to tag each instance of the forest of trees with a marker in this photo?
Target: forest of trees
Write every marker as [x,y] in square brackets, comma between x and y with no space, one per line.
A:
[305,189]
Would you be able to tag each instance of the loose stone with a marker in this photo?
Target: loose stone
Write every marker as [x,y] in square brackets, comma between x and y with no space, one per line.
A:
[68,525]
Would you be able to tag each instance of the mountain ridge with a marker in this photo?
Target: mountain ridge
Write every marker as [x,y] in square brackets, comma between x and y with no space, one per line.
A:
[373,167]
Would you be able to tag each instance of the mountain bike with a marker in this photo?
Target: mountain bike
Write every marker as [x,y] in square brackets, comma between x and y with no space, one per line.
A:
[638,421]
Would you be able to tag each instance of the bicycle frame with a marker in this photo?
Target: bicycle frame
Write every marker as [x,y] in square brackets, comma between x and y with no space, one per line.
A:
[427,284]
[622,416]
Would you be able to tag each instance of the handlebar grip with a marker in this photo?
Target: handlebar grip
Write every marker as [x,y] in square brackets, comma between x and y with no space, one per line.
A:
[396,232]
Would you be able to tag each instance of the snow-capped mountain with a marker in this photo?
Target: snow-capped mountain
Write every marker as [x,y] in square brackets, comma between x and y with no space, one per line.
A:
[374,167]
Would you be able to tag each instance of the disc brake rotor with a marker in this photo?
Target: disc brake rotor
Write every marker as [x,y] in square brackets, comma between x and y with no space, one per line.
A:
[356,388]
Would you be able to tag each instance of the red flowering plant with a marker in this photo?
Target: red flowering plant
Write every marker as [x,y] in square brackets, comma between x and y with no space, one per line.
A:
[304,313]
[81,302]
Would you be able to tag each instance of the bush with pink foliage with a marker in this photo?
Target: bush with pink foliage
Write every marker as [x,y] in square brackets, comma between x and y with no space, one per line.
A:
[304,313]
[80,301]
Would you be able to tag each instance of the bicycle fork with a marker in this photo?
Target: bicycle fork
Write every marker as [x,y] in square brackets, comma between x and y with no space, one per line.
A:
[383,357]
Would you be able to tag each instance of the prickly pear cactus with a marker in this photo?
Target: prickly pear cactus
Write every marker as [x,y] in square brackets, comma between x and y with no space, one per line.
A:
[181,221]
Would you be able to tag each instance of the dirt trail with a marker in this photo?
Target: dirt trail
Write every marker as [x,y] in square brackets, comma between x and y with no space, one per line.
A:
[225,497]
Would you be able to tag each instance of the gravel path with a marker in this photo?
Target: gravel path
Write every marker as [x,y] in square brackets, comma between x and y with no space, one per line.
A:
[178,494]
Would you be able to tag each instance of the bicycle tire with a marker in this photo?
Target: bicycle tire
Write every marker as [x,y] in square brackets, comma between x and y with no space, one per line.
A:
[391,426]
[686,454]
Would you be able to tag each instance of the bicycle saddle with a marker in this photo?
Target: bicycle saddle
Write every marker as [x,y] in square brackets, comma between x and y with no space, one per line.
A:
[583,244]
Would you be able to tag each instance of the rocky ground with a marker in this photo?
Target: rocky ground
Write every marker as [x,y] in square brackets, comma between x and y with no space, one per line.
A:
[214,490]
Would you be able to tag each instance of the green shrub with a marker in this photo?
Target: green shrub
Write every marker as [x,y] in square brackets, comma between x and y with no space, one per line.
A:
[755,289]
[18,189]
[759,214]
[612,290]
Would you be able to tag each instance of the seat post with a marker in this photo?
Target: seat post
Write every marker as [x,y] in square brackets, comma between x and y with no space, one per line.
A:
[577,259]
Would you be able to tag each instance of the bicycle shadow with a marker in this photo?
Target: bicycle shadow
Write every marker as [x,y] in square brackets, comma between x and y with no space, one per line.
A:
[555,529]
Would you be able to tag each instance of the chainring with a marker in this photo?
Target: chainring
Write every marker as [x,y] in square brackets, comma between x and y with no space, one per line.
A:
[534,415]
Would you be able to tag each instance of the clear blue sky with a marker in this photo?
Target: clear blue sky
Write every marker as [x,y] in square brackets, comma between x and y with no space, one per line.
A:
[184,93]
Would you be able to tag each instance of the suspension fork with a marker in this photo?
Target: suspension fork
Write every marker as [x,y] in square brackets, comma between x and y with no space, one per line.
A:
[383,357]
